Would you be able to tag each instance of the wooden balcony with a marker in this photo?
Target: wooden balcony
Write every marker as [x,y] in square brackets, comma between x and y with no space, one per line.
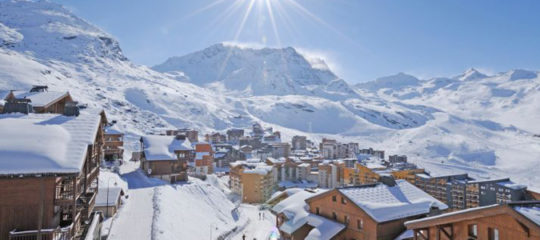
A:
[58,233]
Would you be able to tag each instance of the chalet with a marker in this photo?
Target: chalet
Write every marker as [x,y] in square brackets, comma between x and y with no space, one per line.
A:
[234,135]
[191,134]
[374,211]
[519,220]
[204,159]
[215,137]
[294,221]
[166,157]
[49,167]
[42,100]
[114,144]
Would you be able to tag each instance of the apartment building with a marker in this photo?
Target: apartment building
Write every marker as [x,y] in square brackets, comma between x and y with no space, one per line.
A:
[376,153]
[204,159]
[299,143]
[461,192]
[234,135]
[191,134]
[330,173]
[49,167]
[253,180]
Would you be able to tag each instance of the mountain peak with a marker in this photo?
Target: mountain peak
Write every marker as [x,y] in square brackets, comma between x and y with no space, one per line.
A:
[471,74]
[260,71]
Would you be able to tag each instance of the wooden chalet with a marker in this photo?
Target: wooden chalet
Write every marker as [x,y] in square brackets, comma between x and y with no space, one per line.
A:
[516,221]
[42,100]
[49,167]
[374,211]
[166,157]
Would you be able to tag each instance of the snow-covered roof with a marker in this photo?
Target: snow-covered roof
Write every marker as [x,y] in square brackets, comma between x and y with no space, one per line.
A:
[114,194]
[295,209]
[512,185]
[451,214]
[323,228]
[40,99]
[289,192]
[158,147]
[530,212]
[112,131]
[260,169]
[384,203]
[407,234]
[45,143]
[200,155]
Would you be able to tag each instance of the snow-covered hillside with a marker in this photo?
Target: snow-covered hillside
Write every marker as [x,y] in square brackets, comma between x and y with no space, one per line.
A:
[472,122]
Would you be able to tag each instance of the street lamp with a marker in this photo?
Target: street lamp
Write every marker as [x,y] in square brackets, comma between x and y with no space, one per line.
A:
[108,182]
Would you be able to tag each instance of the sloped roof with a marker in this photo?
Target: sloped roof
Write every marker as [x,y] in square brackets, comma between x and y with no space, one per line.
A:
[384,203]
[157,147]
[323,228]
[295,209]
[114,194]
[530,212]
[45,143]
[40,99]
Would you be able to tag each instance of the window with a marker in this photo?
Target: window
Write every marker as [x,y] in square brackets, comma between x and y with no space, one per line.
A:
[334,198]
[317,210]
[359,224]
[334,215]
[346,220]
[493,234]
[343,200]
[473,231]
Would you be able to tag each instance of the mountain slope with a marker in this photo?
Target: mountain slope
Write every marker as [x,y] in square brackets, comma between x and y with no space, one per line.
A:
[482,125]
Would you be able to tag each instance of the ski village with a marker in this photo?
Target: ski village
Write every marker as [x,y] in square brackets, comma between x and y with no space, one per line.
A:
[66,175]
[238,141]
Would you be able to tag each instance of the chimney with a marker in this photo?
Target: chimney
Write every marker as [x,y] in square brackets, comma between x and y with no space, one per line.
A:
[71,109]
[39,88]
[388,180]
[180,137]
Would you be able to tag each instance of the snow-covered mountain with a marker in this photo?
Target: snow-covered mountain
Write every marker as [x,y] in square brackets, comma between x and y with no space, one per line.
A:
[258,71]
[484,125]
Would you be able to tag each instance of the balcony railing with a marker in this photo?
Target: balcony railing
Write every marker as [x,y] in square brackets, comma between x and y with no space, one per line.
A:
[58,233]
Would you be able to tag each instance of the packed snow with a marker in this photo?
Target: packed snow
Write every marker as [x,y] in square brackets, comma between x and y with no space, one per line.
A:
[45,143]
[384,203]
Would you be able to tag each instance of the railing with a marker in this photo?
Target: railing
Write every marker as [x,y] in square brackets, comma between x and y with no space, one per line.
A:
[45,234]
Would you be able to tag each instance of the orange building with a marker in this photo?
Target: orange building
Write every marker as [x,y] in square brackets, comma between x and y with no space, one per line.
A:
[204,159]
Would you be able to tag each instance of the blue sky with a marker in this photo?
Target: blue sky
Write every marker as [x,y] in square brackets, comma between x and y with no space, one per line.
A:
[361,40]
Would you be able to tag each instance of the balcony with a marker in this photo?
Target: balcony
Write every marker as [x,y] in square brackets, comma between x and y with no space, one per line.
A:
[58,233]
